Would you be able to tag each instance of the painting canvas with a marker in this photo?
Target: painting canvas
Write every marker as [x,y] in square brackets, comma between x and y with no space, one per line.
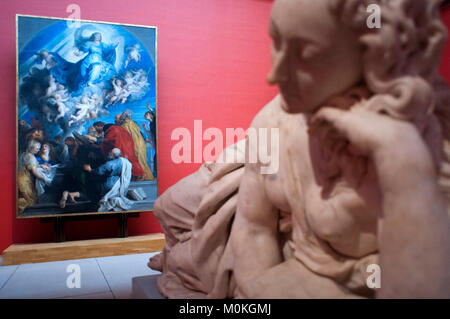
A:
[86,117]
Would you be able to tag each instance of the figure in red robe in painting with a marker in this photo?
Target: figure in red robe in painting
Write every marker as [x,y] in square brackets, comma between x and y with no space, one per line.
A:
[118,137]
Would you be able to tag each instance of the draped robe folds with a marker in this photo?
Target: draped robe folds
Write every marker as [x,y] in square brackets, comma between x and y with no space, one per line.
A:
[109,174]
[117,137]
[115,199]
[196,215]
[25,181]
[95,67]
[140,148]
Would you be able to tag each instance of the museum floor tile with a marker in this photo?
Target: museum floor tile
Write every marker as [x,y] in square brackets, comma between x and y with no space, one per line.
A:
[99,278]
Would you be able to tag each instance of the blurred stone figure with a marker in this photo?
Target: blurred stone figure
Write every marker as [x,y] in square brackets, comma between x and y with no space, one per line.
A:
[364,121]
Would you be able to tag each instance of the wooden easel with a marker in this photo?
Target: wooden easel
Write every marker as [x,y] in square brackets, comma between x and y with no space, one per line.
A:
[59,222]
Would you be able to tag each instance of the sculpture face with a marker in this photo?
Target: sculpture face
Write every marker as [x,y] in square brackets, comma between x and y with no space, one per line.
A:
[313,56]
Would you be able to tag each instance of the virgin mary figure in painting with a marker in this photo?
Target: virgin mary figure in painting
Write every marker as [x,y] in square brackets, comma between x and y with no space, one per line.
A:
[98,65]
[95,67]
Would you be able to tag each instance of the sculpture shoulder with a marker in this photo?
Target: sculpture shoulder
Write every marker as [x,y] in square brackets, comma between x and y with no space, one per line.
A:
[266,116]
[272,115]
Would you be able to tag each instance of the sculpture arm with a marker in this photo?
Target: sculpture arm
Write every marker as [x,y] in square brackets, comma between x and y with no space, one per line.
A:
[254,237]
[414,231]
[414,227]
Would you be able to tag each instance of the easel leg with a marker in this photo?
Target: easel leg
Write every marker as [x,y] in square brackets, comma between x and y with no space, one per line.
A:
[60,235]
[123,225]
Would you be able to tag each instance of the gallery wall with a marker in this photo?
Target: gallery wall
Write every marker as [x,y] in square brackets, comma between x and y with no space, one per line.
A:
[213,56]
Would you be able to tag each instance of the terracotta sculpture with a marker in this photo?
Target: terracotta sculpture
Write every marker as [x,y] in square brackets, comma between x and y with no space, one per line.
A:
[364,122]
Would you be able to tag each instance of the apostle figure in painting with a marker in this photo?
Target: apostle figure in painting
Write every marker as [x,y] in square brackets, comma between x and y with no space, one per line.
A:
[133,54]
[75,178]
[116,177]
[29,171]
[140,148]
[46,168]
[118,137]
[150,130]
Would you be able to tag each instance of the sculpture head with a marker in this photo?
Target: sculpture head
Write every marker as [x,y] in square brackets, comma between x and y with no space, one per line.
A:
[313,55]
[322,48]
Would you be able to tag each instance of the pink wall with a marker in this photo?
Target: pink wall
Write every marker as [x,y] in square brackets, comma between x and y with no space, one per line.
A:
[213,56]
[445,66]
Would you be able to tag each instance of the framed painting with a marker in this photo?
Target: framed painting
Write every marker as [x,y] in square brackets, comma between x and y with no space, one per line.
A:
[86,117]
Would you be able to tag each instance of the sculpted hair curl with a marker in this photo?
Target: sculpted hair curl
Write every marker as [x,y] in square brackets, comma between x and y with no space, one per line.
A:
[401,62]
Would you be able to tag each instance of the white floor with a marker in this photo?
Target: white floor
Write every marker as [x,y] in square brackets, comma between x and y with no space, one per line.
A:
[100,278]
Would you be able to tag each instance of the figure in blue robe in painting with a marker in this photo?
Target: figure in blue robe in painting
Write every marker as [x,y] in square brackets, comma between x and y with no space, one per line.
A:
[110,171]
[97,66]
[114,177]
[63,71]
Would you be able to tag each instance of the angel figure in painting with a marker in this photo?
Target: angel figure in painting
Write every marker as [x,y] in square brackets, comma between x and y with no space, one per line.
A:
[118,93]
[83,109]
[363,119]
[62,109]
[133,54]
[54,88]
